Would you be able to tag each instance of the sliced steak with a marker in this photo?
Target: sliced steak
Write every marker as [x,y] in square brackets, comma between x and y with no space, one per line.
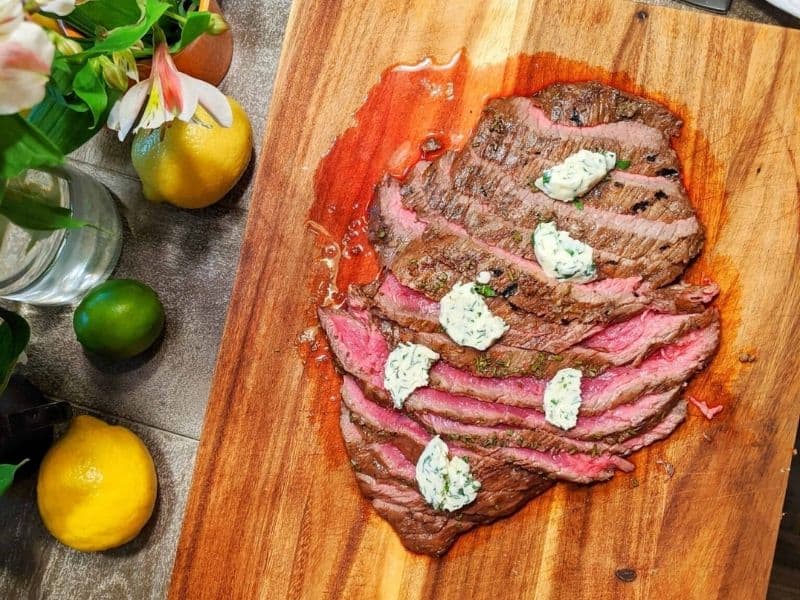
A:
[411,438]
[592,103]
[661,372]
[537,439]
[515,133]
[611,427]
[667,368]
[387,478]
[634,244]
[628,342]
[442,256]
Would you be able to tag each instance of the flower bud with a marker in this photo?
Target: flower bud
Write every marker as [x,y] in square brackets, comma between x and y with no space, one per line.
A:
[113,74]
[218,25]
[64,45]
[125,60]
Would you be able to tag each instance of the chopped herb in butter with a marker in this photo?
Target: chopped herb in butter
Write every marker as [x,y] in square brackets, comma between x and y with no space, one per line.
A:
[445,483]
[562,398]
[578,174]
[467,319]
[406,370]
[561,256]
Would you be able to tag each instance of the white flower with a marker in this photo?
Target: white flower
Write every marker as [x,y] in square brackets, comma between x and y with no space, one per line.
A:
[11,16]
[26,54]
[57,7]
[168,94]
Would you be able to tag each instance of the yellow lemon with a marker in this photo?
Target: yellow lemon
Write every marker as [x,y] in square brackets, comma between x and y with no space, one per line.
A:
[97,486]
[193,164]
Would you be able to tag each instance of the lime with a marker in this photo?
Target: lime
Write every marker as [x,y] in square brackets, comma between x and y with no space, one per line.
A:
[119,319]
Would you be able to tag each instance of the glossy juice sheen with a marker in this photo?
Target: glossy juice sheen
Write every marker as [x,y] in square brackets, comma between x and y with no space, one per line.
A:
[413,104]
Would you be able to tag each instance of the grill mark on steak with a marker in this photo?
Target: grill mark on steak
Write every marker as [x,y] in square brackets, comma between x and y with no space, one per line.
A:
[505,216]
[431,259]
[669,367]
[595,103]
[514,132]
[483,220]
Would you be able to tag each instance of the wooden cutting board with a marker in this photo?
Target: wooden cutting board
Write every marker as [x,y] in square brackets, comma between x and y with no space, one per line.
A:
[274,511]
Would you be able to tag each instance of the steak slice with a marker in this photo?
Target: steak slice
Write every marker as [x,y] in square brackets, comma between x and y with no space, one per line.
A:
[614,345]
[670,366]
[661,372]
[431,259]
[411,438]
[387,478]
[515,133]
[592,103]
[625,245]
[536,439]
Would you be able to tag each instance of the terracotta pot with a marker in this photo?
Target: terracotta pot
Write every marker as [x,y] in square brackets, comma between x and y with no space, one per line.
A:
[209,56]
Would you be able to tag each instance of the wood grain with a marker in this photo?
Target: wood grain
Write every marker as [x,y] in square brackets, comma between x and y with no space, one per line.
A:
[274,511]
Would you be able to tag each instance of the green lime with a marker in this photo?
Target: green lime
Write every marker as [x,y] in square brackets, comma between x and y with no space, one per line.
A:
[119,319]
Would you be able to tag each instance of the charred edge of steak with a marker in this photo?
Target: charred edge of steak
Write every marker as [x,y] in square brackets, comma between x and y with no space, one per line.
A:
[592,103]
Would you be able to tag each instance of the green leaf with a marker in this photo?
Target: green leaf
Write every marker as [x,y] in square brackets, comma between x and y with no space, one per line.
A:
[27,211]
[578,204]
[197,23]
[122,38]
[622,164]
[24,146]
[484,289]
[90,87]
[14,336]
[7,473]
[67,127]
[91,17]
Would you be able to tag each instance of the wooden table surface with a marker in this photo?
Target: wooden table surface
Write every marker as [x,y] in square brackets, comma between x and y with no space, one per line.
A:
[274,511]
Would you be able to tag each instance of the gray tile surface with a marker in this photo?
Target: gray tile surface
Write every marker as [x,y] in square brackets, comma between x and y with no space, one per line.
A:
[33,565]
[190,259]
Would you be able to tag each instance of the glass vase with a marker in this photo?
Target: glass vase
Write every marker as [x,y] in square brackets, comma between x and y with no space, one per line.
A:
[59,267]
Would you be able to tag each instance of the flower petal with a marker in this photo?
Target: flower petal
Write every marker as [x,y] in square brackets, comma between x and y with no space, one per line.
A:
[155,113]
[20,90]
[25,58]
[214,101]
[57,7]
[11,16]
[124,113]
[167,73]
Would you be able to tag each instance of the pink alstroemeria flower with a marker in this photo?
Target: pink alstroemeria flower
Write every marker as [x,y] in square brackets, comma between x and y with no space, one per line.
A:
[169,94]
[26,55]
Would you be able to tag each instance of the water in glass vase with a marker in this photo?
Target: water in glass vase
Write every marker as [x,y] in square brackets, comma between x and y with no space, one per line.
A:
[58,267]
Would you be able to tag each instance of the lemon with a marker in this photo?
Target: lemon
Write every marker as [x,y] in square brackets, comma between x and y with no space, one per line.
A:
[97,486]
[119,318]
[194,164]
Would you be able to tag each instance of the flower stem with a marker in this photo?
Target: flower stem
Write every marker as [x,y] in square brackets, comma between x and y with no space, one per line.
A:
[175,17]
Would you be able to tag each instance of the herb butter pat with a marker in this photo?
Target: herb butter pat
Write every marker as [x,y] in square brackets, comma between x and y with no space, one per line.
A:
[406,370]
[467,319]
[578,174]
[562,398]
[561,256]
[445,483]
